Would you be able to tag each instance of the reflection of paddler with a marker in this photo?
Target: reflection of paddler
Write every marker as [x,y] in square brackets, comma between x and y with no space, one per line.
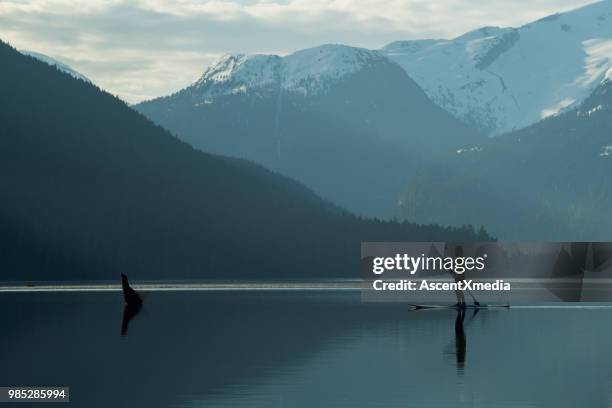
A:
[458,348]
[460,339]
[460,277]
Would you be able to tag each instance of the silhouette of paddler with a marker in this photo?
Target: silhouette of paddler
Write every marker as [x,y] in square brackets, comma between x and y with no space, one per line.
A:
[129,295]
[133,304]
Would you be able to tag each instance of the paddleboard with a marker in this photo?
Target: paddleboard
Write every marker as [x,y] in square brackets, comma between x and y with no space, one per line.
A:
[455,307]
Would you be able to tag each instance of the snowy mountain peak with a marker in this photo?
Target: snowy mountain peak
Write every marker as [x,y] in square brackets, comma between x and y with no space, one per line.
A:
[311,69]
[500,79]
[306,71]
[239,69]
[57,64]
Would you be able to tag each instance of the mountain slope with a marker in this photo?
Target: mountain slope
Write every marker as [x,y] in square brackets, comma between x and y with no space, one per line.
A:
[549,181]
[345,121]
[500,79]
[91,189]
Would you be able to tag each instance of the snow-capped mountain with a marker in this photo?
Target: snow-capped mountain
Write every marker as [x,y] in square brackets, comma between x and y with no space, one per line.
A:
[55,63]
[347,122]
[307,72]
[500,79]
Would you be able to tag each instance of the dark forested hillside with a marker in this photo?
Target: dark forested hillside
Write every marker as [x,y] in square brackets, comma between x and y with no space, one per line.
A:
[549,181]
[90,189]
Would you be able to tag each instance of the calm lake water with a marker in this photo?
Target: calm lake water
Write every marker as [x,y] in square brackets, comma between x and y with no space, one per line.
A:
[301,349]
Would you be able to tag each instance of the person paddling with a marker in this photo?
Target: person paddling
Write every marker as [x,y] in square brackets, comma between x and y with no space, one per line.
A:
[130,296]
[459,278]
[133,304]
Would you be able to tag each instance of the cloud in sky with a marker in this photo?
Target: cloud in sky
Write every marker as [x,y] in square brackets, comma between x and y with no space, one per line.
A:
[144,48]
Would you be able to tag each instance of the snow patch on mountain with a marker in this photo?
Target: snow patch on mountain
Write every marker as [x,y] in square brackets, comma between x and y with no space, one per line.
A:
[500,79]
[606,151]
[473,149]
[593,110]
[308,72]
[560,107]
[57,64]
[598,60]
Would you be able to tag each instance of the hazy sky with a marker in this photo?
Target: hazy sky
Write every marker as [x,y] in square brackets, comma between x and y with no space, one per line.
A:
[145,48]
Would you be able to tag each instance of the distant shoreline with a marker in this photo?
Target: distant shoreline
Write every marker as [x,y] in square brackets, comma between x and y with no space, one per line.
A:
[523,284]
[183,286]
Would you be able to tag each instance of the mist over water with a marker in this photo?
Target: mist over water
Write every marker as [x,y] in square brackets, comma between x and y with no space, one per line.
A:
[301,349]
